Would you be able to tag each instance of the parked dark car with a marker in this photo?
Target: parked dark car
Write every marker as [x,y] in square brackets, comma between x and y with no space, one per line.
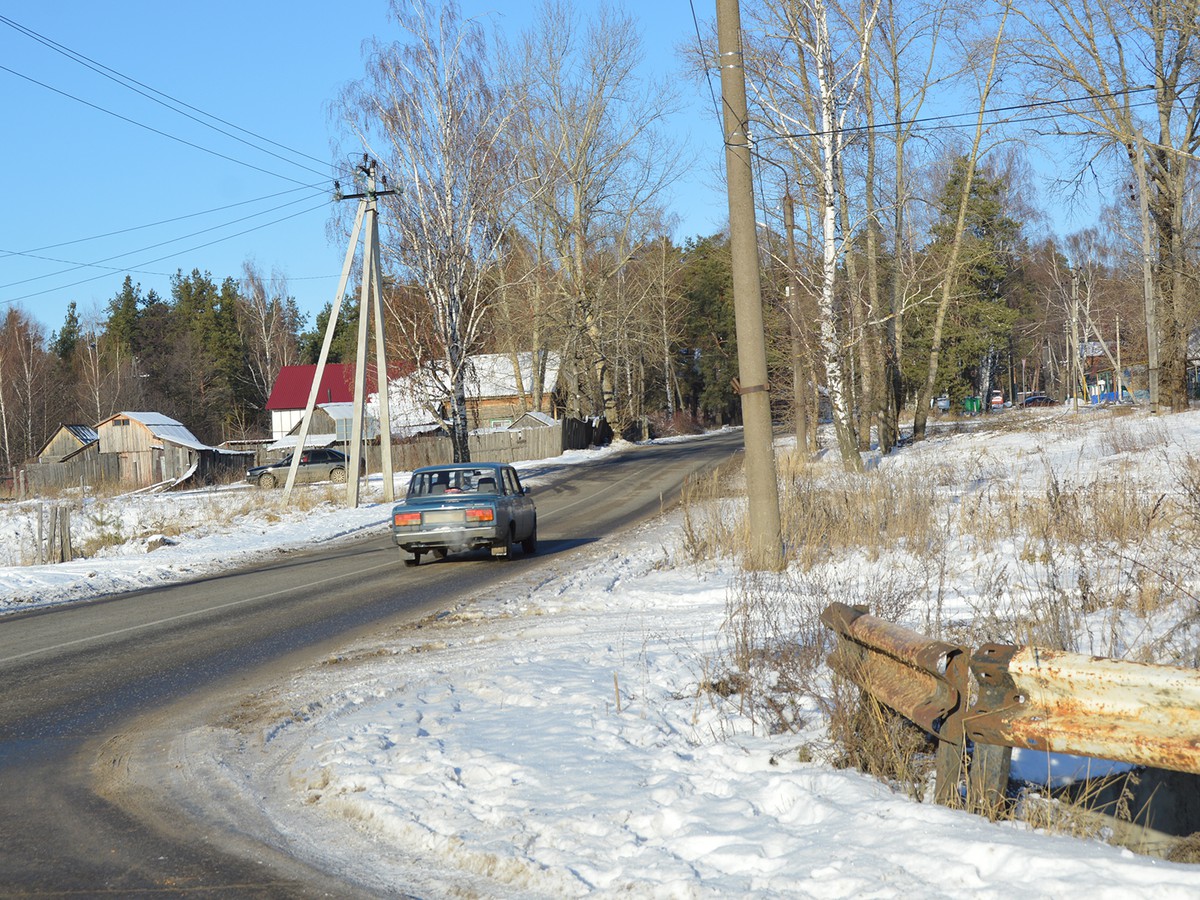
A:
[467,506]
[316,464]
[1037,400]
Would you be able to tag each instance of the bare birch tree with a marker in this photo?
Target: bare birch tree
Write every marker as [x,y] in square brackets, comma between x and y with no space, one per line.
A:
[807,104]
[986,83]
[429,111]
[268,322]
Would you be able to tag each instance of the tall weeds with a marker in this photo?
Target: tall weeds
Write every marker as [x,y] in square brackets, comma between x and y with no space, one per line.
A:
[1092,553]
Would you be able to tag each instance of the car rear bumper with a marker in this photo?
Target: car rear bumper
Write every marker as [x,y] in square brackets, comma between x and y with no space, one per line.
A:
[450,538]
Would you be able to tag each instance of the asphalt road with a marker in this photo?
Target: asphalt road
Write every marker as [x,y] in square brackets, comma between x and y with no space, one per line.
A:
[76,680]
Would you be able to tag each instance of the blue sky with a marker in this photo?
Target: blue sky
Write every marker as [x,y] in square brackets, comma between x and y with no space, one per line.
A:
[84,157]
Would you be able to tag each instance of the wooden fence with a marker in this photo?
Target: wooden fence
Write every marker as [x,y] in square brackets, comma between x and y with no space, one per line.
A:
[91,469]
[492,446]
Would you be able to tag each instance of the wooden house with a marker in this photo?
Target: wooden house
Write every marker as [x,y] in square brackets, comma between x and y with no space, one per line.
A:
[67,442]
[500,387]
[289,394]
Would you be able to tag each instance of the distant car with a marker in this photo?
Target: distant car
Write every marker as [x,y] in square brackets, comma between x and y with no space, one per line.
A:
[1037,400]
[467,506]
[316,464]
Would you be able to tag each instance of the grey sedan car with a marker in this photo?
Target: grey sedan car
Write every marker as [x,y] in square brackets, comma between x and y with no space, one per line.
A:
[316,464]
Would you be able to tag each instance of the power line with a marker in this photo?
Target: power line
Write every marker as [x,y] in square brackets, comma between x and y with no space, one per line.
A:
[149,128]
[129,82]
[137,266]
[921,125]
[107,234]
[96,263]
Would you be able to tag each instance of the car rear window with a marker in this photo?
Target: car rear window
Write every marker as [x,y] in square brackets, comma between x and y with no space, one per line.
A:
[453,481]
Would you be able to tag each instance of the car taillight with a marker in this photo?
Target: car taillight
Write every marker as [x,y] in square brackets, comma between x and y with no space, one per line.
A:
[483,514]
[407,518]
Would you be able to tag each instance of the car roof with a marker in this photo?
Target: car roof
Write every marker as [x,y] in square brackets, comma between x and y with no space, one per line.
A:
[450,467]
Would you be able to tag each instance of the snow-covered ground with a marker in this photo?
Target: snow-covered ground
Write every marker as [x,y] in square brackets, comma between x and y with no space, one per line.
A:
[559,744]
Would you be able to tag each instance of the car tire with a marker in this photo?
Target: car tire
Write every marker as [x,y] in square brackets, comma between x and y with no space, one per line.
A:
[413,559]
[338,476]
[267,480]
[507,547]
[529,545]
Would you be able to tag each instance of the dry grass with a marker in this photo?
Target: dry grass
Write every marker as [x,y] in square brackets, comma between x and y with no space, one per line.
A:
[110,521]
[1089,556]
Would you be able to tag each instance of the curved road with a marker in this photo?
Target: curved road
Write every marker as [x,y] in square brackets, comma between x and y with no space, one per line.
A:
[74,679]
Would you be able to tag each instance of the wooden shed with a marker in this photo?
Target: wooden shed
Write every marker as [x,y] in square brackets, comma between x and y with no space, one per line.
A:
[151,448]
[67,442]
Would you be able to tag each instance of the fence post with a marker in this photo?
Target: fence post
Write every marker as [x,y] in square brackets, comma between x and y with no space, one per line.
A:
[40,554]
[949,761]
[53,544]
[68,551]
[921,679]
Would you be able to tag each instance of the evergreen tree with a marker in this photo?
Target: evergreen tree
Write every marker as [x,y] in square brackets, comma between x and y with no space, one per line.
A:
[710,362]
[123,311]
[979,325]
[63,343]
[343,347]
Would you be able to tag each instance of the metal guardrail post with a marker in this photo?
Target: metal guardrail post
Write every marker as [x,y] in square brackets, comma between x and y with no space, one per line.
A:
[922,679]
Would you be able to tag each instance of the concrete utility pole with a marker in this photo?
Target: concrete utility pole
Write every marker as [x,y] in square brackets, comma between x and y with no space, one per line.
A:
[370,302]
[766,543]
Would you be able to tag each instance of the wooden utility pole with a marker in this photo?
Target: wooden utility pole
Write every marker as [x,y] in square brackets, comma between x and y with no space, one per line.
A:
[371,301]
[766,544]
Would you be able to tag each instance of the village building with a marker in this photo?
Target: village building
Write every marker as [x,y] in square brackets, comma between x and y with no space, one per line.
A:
[293,385]
[153,449]
[68,442]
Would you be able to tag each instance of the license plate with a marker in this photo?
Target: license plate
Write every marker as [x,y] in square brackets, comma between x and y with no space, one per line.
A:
[444,517]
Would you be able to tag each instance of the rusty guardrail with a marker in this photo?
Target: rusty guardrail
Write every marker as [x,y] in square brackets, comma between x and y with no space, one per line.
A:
[922,679]
[1087,705]
[1025,697]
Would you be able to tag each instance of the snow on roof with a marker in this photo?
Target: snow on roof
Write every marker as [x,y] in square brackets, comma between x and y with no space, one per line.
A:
[493,374]
[167,429]
[342,410]
[288,442]
[409,402]
[526,418]
[414,397]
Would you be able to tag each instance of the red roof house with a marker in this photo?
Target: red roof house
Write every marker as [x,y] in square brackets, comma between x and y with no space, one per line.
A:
[289,395]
